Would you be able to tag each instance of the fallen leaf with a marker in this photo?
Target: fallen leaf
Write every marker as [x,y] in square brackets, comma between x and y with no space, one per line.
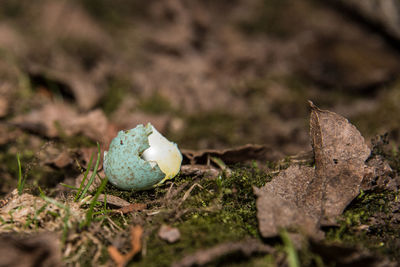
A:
[58,119]
[243,248]
[131,208]
[280,203]
[60,160]
[81,85]
[113,200]
[306,197]
[229,156]
[136,245]
[340,153]
[33,250]
[169,234]
[378,175]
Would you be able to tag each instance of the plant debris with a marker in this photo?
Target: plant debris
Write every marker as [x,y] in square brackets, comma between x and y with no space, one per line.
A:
[239,249]
[61,120]
[228,156]
[136,245]
[113,200]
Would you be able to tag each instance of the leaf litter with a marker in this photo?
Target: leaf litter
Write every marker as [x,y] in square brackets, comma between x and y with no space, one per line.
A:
[300,198]
[311,197]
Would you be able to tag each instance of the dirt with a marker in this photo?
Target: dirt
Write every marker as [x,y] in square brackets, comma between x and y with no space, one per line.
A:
[228,81]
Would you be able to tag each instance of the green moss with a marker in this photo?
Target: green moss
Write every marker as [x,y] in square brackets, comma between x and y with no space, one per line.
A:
[116,91]
[210,130]
[217,212]
[156,104]
[367,223]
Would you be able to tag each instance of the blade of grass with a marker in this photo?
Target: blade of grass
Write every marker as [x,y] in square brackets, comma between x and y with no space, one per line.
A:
[69,186]
[292,257]
[21,180]
[78,194]
[89,213]
[89,183]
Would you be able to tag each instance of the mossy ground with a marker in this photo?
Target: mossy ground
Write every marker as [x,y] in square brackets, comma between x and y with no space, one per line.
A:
[218,210]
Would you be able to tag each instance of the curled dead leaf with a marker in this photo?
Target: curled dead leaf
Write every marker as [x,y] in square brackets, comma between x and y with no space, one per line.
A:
[340,153]
[307,197]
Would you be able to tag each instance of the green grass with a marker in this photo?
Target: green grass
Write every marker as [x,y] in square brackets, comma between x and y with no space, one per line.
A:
[83,189]
[291,252]
[21,180]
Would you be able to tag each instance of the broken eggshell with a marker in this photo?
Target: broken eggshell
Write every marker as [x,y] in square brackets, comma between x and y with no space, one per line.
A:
[141,158]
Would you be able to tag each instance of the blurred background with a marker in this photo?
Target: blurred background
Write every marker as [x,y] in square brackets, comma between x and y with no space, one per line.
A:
[207,74]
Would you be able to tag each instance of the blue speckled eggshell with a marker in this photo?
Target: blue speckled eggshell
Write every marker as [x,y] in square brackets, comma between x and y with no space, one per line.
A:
[123,165]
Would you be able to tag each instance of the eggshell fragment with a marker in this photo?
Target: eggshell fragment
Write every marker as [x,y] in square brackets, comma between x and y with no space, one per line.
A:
[163,153]
[141,158]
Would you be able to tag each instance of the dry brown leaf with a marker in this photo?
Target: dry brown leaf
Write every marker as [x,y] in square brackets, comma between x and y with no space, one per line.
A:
[58,119]
[113,200]
[280,203]
[379,174]
[61,160]
[136,245]
[35,250]
[340,154]
[204,257]
[307,197]
[131,208]
[229,156]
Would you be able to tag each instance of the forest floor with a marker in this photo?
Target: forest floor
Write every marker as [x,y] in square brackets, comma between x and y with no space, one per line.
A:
[267,178]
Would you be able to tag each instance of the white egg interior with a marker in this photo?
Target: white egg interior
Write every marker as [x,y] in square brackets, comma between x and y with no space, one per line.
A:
[164,153]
